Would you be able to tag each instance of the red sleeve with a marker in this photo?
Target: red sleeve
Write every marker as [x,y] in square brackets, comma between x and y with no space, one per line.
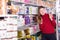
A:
[41,26]
[53,22]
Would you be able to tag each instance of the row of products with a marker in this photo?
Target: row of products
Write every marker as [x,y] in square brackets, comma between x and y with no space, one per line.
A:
[8,28]
[26,1]
[20,9]
[12,10]
[28,38]
[9,39]
[26,19]
[31,37]
[15,9]
[9,25]
[28,10]
[23,20]
[28,31]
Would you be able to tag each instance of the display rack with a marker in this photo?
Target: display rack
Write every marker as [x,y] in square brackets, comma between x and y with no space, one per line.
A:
[28,4]
[28,26]
[13,7]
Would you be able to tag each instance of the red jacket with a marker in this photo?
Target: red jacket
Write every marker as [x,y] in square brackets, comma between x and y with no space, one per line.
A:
[48,26]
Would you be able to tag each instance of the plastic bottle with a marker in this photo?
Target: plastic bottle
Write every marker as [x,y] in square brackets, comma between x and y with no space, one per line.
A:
[27,20]
[21,21]
[26,10]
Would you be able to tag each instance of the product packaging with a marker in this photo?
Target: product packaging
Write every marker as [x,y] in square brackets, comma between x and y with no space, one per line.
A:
[26,9]
[34,10]
[21,10]
[21,21]
[2,33]
[27,32]
[27,19]
[30,10]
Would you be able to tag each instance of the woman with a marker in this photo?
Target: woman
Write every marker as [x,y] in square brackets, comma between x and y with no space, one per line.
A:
[47,24]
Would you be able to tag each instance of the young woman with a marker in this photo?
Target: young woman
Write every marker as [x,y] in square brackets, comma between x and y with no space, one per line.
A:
[47,24]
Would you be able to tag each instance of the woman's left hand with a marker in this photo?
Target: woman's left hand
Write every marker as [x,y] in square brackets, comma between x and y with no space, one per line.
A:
[51,17]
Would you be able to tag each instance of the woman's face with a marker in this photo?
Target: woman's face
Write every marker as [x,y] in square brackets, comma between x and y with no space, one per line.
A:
[42,11]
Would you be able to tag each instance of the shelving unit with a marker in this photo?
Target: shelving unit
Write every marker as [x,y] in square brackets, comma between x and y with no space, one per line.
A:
[49,5]
[28,26]
[13,8]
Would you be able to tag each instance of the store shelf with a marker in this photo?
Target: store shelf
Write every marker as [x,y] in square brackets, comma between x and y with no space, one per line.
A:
[27,14]
[26,4]
[24,27]
[27,27]
[7,15]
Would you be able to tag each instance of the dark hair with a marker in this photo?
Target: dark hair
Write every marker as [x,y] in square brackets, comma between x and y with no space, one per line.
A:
[40,8]
[39,15]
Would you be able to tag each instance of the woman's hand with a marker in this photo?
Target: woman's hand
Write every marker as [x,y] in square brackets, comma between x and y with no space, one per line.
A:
[51,17]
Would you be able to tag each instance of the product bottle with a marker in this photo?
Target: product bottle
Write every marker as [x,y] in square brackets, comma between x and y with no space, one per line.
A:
[30,10]
[34,10]
[21,10]
[27,20]
[26,10]
[21,21]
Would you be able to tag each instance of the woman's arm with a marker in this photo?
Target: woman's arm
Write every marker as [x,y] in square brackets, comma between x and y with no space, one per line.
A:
[52,20]
[41,25]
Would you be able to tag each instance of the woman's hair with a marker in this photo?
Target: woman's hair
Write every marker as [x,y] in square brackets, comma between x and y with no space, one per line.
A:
[39,15]
[40,8]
